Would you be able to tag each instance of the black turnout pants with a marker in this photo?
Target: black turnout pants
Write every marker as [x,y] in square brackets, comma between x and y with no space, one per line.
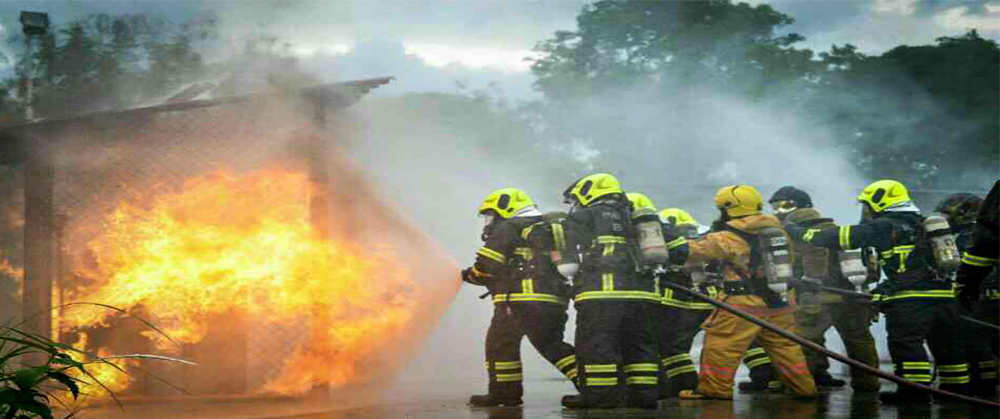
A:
[617,352]
[980,344]
[989,311]
[544,324]
[676,328]
[910,323]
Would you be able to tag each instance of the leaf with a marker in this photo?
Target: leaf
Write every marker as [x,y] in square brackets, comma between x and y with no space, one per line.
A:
[160,379]
[4,359]
[110,393]
[28,378]
[9,396]
[150,356]
[67,381]
[63,359]
[43,348]
[36,407]
[140,319]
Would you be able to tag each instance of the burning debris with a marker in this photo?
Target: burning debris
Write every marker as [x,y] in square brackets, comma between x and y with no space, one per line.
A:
[243,245]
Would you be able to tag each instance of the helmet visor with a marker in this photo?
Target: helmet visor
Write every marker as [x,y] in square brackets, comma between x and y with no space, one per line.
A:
[783,207]
[488,217]
[866,211]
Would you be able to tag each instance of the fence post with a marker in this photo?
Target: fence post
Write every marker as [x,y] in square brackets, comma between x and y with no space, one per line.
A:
[316,154]
[40,246]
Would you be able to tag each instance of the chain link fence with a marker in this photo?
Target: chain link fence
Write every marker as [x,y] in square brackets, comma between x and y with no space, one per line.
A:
[64,181]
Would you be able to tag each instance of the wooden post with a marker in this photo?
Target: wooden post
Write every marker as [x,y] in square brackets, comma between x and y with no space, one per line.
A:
[315,156]
[40,247]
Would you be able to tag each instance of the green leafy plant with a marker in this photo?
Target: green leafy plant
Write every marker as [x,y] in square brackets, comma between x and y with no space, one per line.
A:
[30,391]
[25,390]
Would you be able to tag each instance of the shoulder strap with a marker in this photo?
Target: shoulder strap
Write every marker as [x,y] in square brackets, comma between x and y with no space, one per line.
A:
[814,222]
[755,258]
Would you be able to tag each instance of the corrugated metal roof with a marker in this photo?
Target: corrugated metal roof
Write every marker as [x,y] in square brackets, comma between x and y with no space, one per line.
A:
[335,95]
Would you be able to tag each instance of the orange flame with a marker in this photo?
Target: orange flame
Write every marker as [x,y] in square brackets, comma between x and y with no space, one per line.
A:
[243,243]
[100,373]
[8,269]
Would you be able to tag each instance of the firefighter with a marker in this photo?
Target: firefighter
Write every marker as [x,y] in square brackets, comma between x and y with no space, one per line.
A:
[734,243]
[817,311]
[679,316]
[961,210]
[686,314]
[918,301]
[762,374]
[614,305]
[669,319]
[985,238]
[530,298]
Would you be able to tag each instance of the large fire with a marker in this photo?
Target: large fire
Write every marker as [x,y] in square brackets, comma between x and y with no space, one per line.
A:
[243,244]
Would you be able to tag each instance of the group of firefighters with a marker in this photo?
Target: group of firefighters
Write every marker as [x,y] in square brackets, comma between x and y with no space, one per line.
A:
[631,273]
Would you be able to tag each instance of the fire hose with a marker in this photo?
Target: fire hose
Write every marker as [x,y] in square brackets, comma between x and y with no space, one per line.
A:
[850,293]
[819,349]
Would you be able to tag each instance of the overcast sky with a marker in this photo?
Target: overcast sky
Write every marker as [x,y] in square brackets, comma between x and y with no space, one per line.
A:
[429,45]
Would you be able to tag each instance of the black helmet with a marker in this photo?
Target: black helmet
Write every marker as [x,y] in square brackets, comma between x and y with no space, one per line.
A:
[794,196]
[960,208]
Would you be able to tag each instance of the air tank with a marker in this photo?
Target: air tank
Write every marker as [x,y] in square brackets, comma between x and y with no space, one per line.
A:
[563,258]
[852,267]
[777,259]
[649,231]
[942,240]
[567,266]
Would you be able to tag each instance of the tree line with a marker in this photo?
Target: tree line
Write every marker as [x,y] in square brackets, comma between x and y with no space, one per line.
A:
[926,115]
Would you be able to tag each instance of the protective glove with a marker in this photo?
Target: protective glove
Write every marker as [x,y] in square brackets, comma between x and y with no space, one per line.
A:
[968,284]
[968,295]
[874,312]
[794,231]
[469,277]
[880,291]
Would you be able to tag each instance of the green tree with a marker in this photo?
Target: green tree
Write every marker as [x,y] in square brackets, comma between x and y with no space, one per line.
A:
[926,115]
[110,62]
[705,42]
[174,60]
[609,84]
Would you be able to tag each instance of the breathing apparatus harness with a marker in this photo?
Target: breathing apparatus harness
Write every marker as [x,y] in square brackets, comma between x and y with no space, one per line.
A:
[753,282]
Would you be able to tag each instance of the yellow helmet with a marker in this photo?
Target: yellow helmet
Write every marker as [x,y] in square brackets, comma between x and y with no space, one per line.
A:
[739,200]
[591,187]
[640,201]
[506,202]
[884,194]
[679,217]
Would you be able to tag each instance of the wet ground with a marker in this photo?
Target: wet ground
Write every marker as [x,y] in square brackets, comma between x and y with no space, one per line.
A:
[833,405]
[543,402]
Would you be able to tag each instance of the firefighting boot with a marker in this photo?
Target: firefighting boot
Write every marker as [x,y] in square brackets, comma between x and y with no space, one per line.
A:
[695,395]
[984,389]
[643,405]
[750,387]
[576,401]
[486,400]
[826,380]
[573,401]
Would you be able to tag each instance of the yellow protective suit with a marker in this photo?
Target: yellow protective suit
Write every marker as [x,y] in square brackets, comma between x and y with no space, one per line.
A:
[727,336]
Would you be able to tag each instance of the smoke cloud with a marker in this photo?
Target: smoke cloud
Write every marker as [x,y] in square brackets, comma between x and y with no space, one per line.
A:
[420,156]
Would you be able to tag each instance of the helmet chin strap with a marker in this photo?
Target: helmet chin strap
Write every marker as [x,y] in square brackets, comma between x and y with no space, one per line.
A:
[907,206]
[531,211]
